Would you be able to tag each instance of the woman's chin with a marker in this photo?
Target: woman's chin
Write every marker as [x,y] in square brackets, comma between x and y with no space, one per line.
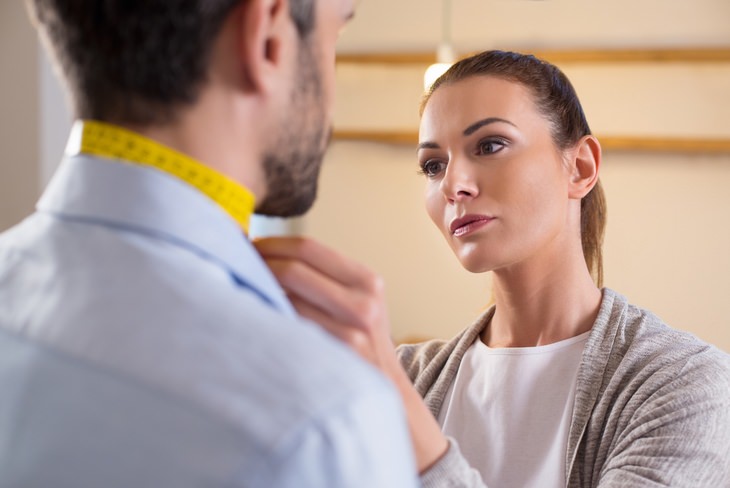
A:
[476,264]
[478,256]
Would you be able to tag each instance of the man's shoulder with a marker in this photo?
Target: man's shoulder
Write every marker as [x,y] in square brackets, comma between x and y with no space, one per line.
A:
[185,342]
[157,314]
[72,415]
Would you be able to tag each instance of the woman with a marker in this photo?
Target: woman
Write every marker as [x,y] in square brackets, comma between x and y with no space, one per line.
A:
[560,382]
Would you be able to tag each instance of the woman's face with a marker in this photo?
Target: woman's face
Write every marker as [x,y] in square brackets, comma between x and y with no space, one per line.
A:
[497,187]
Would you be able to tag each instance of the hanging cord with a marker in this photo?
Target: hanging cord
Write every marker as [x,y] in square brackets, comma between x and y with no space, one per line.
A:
[445,53]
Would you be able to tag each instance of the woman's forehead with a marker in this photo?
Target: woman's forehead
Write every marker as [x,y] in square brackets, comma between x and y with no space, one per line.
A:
[490,90]
[478,97]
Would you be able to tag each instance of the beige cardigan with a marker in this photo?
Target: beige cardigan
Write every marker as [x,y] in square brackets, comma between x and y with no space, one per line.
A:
[652,404]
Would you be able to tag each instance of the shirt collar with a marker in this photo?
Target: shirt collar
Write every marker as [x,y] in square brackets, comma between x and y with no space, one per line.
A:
[106,140]
[113,193]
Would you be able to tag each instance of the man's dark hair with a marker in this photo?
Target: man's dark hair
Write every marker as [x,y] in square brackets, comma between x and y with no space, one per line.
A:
[137,61]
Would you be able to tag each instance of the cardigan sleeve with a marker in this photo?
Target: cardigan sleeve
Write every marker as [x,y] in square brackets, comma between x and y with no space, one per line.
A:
[431,366]
[679,431]
[452,471]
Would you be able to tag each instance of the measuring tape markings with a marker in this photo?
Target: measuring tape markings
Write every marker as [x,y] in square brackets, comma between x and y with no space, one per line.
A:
[110,141]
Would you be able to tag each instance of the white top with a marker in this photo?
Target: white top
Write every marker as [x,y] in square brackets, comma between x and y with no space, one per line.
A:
[510,409]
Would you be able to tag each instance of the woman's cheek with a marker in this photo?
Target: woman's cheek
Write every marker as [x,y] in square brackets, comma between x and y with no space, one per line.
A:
[435,205]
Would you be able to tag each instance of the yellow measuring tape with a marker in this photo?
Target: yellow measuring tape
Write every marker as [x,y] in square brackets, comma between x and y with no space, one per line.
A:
[111,141]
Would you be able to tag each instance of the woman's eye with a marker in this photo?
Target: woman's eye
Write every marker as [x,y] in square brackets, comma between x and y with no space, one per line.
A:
[490,146]
[432,167]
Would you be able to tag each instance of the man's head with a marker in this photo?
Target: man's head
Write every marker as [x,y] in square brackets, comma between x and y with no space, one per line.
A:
[142,63]
[137,61]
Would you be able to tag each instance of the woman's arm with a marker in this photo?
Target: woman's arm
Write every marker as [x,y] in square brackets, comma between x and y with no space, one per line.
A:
[348,300]
[674,430]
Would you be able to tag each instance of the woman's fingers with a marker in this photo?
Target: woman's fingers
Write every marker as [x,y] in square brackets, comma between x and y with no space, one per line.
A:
[348,301]
[329,262]
[355,338]
[342,296]
[336,284]
[349,305]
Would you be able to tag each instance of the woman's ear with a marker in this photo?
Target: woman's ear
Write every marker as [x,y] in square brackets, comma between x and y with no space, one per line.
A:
[265,28]
[584,167]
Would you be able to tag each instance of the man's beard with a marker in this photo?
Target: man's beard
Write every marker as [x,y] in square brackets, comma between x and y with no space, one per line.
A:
[291,165]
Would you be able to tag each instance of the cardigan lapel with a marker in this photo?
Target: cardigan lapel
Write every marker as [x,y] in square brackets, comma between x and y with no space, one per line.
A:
[591,377]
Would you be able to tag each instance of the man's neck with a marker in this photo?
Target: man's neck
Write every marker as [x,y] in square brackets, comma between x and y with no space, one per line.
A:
[213,143]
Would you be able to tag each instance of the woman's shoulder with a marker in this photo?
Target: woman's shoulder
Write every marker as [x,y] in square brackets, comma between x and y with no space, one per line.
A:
[433,355]
[638,343]
[642,382]
[417,356]
[643,329]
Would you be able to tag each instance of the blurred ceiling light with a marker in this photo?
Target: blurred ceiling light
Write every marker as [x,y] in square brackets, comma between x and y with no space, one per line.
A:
[445,53]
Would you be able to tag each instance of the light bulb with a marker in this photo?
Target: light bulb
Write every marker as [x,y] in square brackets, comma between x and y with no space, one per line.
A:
[433,73]
[444,59]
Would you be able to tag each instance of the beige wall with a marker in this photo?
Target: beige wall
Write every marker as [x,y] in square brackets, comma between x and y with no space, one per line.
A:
[667,241]
[662,99]
[666,246]
[415,25]
[668,236]
[19,174]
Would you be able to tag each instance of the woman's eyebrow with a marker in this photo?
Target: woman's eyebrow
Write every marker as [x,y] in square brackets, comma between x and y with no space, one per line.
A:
[467,132]
[489,120]
[427,145]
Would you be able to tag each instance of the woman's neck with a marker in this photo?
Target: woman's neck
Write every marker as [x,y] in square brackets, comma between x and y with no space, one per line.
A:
[542,305]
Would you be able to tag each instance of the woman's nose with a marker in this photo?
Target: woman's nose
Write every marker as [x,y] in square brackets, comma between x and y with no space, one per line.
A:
[458,184]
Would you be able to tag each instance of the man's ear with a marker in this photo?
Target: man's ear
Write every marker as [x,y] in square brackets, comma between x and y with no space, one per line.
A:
[584,168]
[265,28]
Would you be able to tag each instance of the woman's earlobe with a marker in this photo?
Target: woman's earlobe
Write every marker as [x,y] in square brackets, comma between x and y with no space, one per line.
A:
[585,167]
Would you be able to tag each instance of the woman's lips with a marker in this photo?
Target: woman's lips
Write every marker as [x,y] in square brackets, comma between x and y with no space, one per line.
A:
[468,224]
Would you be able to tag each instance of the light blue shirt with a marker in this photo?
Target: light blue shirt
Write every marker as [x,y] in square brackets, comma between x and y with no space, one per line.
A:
[144,343]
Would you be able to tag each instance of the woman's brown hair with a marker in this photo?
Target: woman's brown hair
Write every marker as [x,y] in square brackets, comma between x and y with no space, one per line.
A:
[555,98]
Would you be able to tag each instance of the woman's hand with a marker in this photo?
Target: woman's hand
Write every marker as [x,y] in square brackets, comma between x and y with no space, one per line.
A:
[348,300]
[341,295]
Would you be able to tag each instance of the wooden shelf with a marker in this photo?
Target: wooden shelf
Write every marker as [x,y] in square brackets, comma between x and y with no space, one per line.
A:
[561,56]
[596,56]
[610,143]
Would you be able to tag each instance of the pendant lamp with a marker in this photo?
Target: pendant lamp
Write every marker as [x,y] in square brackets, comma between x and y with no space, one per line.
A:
[445,53]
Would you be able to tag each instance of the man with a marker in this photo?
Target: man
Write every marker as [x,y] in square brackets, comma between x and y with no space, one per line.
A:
[143,341]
